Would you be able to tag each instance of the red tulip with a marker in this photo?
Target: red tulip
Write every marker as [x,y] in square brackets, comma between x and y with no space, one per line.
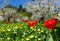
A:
[25,20]
[35,22]
[50,24]
[31,24]
[7,22]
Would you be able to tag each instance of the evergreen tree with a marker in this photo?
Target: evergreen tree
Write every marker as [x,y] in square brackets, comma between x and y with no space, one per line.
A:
[20,8]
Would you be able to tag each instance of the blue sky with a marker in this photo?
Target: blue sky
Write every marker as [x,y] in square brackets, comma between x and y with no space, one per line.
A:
[15,3]
[18,2]
[58,2]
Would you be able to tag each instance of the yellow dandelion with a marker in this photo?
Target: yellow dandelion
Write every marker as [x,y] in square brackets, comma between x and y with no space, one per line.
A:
[9,29]
[32,28]
[22,35]
[42,31]
[32,36]
[8,38]
[0,30]
[27,39]
[3,30]
[14,32]
[16,27]
[55,30]
[22,24]
[39,38]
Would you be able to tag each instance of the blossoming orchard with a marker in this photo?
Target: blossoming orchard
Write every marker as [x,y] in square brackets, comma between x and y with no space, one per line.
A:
[39,20]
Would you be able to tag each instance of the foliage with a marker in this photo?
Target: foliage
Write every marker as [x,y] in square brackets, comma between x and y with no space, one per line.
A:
[20,8]
[23,11]
[22,32]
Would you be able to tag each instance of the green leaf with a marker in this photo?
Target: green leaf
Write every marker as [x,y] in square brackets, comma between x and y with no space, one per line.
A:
[51,38]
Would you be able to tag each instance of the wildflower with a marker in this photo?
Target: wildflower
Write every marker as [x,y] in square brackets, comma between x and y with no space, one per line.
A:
[42,31]
[3,30]
[14,32]
[8,38]
[32,36]
[32,28]
[39,39]
[27,39]
[9,29]
[55,30]
[16,27]
[38,29]
[22,35]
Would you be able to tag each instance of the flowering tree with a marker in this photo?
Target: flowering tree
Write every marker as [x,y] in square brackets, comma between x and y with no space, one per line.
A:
[42,9]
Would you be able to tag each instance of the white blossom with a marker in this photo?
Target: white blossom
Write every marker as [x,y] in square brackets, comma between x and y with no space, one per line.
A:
[42,8]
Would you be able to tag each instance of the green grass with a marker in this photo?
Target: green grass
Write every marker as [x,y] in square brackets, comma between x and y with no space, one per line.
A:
[22,32]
